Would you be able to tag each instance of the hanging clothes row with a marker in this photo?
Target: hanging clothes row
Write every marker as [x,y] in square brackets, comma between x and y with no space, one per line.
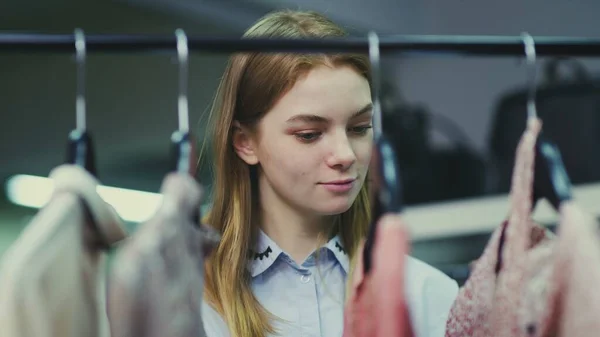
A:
[528,281]
[53,280]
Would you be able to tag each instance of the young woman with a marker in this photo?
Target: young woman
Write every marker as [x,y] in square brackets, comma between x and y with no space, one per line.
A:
[292,143]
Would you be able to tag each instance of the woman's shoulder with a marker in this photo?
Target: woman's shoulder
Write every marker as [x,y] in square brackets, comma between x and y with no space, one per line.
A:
[419,271]
[430,295]
[214,325]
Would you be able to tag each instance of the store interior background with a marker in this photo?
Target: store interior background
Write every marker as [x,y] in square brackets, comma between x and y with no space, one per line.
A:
[132,98]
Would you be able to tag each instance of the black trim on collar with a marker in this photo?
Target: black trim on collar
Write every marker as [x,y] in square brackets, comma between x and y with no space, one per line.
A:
[339,247]
[262,255]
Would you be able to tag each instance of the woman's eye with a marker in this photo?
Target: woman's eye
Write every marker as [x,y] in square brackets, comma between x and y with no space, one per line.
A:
[308,136]
[360,130]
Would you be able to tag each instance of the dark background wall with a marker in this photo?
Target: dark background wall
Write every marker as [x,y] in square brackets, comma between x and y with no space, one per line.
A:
[132,98]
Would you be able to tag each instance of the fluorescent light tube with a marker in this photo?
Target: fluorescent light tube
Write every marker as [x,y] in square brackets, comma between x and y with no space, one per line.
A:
[131,205]
[426,222]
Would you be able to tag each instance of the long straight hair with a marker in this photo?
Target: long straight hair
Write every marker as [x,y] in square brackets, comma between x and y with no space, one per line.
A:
[250,86]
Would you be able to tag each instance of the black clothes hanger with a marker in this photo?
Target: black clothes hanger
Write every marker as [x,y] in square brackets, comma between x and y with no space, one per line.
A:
[80,148]
[551,181]
[385,192]
[183,148]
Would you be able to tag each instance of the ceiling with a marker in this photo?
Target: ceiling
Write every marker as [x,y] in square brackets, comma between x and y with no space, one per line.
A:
[358,16]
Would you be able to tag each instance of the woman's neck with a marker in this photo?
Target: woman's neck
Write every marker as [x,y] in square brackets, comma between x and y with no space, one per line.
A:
[294,232]
[294,235]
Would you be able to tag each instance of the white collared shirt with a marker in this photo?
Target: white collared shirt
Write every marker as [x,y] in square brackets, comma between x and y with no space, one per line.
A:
[309,298]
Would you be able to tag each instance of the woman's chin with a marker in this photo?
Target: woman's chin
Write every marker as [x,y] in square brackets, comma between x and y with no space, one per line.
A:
[334,208]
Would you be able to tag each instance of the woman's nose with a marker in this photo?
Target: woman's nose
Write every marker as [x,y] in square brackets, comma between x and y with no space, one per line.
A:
[342,154]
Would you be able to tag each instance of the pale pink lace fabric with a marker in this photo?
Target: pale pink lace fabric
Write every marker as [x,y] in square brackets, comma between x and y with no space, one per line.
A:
[376,306]
[545,287]
[570,303]
[488,303]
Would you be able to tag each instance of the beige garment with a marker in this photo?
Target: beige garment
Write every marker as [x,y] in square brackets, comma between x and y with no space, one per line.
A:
[156,282]
[51,278]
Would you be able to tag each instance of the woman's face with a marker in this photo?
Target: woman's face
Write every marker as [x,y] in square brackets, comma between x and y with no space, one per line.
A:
[313,147]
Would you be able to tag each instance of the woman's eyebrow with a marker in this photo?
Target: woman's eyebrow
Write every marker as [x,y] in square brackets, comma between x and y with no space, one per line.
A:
[309,118]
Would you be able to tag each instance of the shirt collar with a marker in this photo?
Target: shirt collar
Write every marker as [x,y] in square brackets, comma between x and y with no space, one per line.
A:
[267,251]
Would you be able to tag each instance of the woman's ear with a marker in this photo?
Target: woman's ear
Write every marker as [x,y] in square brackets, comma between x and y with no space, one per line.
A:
[243,144]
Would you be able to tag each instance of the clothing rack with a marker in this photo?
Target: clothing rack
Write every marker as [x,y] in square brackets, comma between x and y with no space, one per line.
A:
[452,44]
[427,223]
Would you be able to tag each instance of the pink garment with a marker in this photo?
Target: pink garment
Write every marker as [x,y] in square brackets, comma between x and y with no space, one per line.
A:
[376,306]
[488,304]
[157,277]
[570,304]
[52,276]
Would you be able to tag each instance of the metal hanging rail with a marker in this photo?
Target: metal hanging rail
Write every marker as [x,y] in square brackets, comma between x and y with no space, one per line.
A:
[466,45]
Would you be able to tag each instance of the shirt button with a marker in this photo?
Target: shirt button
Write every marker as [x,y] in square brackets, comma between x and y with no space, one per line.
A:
[305,278]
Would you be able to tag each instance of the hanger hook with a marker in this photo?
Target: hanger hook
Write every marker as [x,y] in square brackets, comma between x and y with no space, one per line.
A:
[183,56]
[530,55]
[80,49]
[374,57]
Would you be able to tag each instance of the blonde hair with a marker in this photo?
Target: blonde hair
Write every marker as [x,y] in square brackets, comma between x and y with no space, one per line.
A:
[249,88]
